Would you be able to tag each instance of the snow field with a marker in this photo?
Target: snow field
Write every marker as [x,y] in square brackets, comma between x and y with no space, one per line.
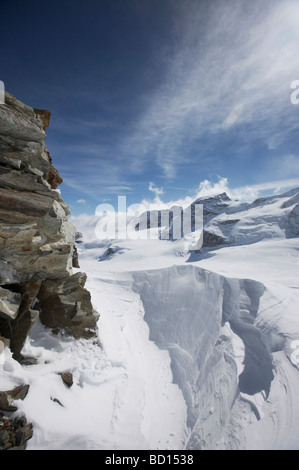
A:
[196,350]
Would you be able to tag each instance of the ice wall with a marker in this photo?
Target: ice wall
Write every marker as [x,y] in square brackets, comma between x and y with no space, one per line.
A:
[219,356]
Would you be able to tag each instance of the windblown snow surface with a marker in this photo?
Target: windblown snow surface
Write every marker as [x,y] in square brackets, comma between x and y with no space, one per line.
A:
[197,349]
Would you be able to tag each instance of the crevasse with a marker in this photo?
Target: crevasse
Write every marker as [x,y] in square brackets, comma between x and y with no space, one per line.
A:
[223,356]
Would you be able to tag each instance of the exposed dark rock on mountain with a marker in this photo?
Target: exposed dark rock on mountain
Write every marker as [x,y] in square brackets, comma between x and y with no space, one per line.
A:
[37,243]
[14,433]
[67,378]
[53,177]
[36,239]
[66,304]
[45,116]
[211,240]
[8,397]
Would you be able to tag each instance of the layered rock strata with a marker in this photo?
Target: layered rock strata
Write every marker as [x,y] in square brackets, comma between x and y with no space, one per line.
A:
[37,240]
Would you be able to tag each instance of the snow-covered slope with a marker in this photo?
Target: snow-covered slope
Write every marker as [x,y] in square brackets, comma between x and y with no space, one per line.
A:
[240,223]
[199,349]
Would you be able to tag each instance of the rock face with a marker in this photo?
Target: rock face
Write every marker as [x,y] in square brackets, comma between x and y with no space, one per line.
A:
[36,239]
[7,397]
[14,433]
[65,303]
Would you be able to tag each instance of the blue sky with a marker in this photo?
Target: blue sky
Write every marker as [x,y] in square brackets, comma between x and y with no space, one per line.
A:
[159,97]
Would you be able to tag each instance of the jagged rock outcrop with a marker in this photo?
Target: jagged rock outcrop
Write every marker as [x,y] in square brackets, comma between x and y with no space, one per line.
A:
[65,304]
[36,239]
[14,433]
[8,397]
[67,378]
[37,252]
[212,239]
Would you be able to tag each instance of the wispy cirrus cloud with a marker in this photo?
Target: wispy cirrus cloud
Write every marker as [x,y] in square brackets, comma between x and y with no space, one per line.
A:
[225,83]
[93,189]
[231,69]
[209,188]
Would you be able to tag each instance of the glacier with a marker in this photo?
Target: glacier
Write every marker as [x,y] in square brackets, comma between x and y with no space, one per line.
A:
[198,349]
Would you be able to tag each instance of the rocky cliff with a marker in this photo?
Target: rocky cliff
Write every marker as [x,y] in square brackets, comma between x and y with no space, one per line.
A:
[36,239]
[37,243]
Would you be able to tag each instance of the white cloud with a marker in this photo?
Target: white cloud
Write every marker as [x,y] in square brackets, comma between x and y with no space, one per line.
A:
[118,188]
[243,193]
[155,190]
[235,69]
[93,187]
[208,188]
[230,68]
[233,116]
[81,201]
[249,193]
